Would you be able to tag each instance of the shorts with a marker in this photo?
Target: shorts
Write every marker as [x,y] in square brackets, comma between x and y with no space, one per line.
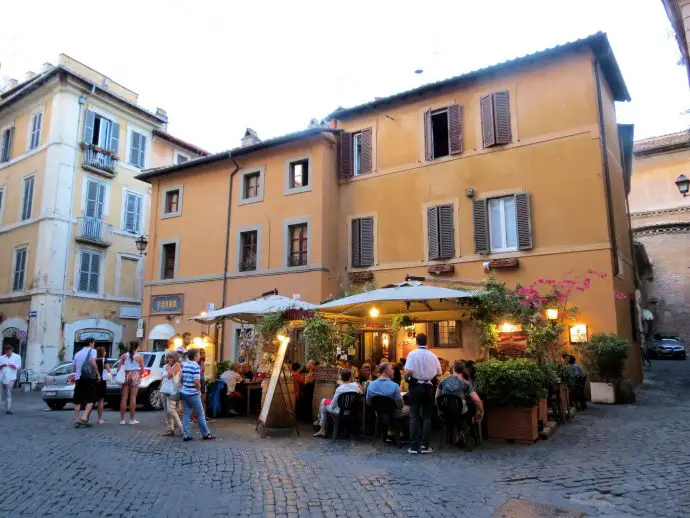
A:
[100,390]
[203,386]
[85,391]
[133,379]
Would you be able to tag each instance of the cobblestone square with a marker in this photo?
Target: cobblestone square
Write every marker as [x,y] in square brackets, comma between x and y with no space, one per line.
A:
[612,461]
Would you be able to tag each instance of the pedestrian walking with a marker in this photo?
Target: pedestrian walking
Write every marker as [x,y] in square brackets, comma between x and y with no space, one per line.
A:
[421,367]
[10,363]
[170,393]
[133,364]
[190,394]
[86,378]
[104,372]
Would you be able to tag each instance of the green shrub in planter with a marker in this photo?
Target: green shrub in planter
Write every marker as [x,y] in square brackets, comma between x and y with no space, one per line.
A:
[515,382]
[604,357]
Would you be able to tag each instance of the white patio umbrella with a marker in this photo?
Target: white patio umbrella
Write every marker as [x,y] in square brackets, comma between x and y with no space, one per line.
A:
[250,310]
[410,297]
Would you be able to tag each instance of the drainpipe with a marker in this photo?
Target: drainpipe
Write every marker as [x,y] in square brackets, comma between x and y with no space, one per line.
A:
[221,346]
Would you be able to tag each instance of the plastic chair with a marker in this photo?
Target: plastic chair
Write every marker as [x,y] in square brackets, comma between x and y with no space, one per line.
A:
[450,412]
[384,412]
[348,406]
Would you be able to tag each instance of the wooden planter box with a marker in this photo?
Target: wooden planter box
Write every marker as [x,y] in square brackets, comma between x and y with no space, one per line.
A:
[543,410]
[513,423]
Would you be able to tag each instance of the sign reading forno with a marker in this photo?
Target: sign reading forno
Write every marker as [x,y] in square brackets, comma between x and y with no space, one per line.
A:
[167,304]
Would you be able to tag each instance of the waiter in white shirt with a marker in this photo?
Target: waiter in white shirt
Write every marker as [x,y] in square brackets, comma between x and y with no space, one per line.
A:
[10,363]
[421,367]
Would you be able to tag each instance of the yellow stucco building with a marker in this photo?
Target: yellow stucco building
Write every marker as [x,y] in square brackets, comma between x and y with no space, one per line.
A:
[71,143]
[515,170]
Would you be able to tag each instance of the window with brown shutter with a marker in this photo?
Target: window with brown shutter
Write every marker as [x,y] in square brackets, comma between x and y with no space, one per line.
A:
[502,224]
[495,118]
[441,233]
[362,242]
[443,132]
[366,152]
[481,229]
[345,155]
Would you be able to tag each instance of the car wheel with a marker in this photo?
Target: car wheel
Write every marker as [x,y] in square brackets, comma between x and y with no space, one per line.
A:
[153,398]
[56,405]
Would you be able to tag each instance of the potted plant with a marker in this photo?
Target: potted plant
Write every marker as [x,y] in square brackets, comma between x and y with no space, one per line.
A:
[512,390]
[604,358]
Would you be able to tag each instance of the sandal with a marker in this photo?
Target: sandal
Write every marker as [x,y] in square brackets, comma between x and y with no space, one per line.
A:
[84,423]
[76,424]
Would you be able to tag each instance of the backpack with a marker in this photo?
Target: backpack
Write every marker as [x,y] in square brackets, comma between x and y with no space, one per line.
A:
[88,371]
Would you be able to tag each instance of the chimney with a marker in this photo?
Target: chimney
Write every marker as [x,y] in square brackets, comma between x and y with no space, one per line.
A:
[45,67]
[315,123]
[30,75]
[250,138]
[162,114]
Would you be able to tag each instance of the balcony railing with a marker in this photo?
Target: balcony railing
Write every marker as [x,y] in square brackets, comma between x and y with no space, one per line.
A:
[99,160]
[94,231]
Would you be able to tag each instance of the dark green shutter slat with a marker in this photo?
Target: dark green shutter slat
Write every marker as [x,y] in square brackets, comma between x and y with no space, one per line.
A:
[432,231]
[481,229]
[355,244]
[446,232]
[502,117]
[487,120]
[345,155]
[455,139]
[367,241]
[523,220]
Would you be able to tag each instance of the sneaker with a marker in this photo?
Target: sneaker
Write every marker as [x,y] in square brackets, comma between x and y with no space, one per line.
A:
[9,412]
[101,421]
[427,449]
[412,450]
[187,439]
[133,421]
[123,422]
[209,437]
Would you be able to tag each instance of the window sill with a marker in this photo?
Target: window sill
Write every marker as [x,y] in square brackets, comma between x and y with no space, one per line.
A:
[297,190]
[502,251]
[168,215]
[249,201]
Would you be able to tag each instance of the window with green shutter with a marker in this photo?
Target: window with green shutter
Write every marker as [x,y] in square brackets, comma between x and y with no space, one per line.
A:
[362,244]
[137,149]
[441,232]
[6,138]
[89,272]
[19,271]
[132,216]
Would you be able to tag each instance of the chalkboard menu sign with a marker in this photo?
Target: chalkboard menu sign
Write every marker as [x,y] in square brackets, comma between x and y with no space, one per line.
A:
[324,373]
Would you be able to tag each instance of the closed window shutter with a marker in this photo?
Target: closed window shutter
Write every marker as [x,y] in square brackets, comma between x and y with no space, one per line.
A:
[428,139]
[487,117]
[130,213]
[91,199]
[84,271]
[88,127]
[446,232]
[28,198]
[134,151]
[36,130]
[355,245]
[2,198]
[142,151]
[366,151]
[481,230]
[114,138]
[523,221]
[345,155]
[100,202]
[137,213]
[432,231]
[10,140]
[367,241]
[455,139]
[502,117]
[94,273]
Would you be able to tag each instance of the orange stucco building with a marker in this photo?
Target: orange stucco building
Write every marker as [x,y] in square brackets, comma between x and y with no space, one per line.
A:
[520,162]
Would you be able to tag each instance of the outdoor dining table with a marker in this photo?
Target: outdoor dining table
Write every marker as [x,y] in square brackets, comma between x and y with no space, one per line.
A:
[251,386]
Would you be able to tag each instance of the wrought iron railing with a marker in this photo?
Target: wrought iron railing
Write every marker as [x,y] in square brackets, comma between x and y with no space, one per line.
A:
[99,158]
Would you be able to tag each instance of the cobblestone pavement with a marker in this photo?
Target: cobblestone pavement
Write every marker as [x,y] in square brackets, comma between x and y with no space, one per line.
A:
[630,460]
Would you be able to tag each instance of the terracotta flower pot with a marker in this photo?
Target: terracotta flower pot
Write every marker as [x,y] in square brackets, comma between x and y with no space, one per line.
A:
[513,423]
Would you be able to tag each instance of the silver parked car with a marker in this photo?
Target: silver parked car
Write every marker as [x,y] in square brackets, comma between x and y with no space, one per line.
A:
[149,389]
[59,384]
[668,348]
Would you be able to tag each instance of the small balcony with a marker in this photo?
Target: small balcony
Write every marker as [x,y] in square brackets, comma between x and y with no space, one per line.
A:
[94,231]
[99,160]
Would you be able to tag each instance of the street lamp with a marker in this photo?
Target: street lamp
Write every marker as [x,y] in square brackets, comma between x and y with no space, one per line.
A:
[142,243]
[683,184]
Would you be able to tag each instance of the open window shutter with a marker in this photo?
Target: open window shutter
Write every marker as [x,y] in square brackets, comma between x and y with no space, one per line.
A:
[502,117]
[355,245]
[481,227]
[523,221]
[367,153]
[100,200]
[345,155]
[114,138]
[137,213]
[455,140]
[428,139]
[94,273]
[142,151]
[91,199]
[446,233]
[84,271]
[10,140]
[88,126]
[432,230]
[487,116]
[366,237]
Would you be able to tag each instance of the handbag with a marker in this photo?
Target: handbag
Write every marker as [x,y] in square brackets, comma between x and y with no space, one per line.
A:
[106,376]
[120,376]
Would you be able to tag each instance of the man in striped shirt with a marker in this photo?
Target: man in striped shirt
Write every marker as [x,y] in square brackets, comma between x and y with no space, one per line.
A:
[190,394]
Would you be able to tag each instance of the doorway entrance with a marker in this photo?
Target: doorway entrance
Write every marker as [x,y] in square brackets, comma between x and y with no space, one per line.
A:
[103,337]
[375,345]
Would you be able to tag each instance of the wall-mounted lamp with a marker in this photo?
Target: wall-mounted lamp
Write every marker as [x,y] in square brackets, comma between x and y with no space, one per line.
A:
[683,184]
[142,243]
[552,314]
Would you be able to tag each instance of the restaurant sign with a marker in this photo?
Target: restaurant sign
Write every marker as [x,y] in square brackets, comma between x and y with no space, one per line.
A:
[167,304]
[325,373]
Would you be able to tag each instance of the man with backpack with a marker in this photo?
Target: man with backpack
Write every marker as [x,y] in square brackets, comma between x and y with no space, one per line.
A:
[86,378]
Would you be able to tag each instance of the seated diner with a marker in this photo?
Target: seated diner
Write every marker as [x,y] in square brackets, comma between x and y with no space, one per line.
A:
[457,385]
[385,386]
[331,405]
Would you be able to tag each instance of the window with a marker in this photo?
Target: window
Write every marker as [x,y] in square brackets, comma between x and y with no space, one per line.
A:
[248,250]
[101,132]
[297,235]
[299,174]
[439,133]
[362,242]
[441,232]
[6,138]
[89,272]
[495,117]
[95,199]
[502,224]
[172,201]
[137,149]
[19,269]
[443,132]
[35,133]
[180,158]
[132,212]
[2,202]
[252,185]
[169,261]
[357,154]
[28,197]
[448,334]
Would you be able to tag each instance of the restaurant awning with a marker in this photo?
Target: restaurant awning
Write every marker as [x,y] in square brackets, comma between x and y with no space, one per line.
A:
[162,332]
[250,310]
[411,297]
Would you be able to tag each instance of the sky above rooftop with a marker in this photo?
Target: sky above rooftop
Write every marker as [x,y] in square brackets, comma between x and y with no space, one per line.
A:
[219,67]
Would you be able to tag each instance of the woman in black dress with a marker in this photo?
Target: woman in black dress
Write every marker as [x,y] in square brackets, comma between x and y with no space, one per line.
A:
[101,385]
